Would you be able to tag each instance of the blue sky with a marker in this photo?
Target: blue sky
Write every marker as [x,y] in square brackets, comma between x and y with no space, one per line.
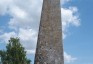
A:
[80,42]
[77,27]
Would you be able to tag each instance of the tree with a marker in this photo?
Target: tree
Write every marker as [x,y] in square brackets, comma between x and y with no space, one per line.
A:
[3,57]
[14,53]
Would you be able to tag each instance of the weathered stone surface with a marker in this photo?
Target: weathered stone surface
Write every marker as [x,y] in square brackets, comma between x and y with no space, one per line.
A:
[49,45]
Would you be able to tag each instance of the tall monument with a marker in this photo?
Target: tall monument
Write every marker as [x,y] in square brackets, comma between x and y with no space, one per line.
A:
[49,45]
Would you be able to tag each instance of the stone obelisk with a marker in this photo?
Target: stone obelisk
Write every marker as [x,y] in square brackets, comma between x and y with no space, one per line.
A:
[49,45]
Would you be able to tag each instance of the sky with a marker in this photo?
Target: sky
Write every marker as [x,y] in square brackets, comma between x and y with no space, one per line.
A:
[20,18]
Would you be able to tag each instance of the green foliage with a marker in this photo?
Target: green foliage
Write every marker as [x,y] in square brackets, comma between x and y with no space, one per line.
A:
[14,53]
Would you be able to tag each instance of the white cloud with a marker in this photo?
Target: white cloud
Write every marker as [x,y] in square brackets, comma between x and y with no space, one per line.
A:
[28,37]
[69,17]
[25,19]
[64,1]
[18,12]
[68,58]
[6,36]
[4,6]
[26,34]
[30,51]
[25,13]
